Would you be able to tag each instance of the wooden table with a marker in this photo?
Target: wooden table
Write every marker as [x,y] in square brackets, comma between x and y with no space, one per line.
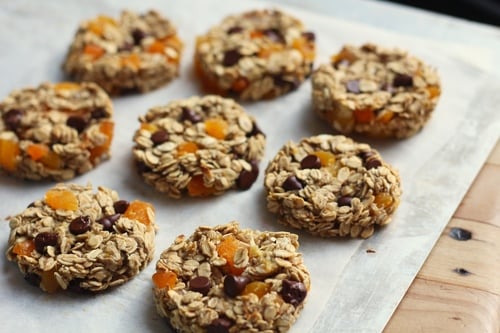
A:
[458,288]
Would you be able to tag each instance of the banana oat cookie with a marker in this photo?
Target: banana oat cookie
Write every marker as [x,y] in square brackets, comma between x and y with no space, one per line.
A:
[255,55]
[227,279]
[136,52]
[332,186]
[377,91]
[198,146]
[55,131]
[81,240]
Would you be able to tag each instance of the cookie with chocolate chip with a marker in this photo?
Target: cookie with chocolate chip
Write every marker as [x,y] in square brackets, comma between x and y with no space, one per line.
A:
[55,131]
[134,53]
[198,146]
[377,91]
[332,186]
[79,239]
[227,279]
[259,54]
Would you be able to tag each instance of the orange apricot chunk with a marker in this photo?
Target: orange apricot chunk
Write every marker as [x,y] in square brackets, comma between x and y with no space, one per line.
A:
[433,91]
[187,147]
[49,282]
[149,127]
[305,47]
[164,279]
[140,211]
[61,199]
[93,51]
[383,200]
[24,248]
[157,47]
[364,115]
[385,116]
[106,128]
[265,52]
[326,158]
[343,55]
[227,249]
[37,150]
[9,151]
[97,25]
[174,42]
[258,288]
[256,34]
[132,60]
[216,127]
[51,160]
[66,86]
[239,84]
[196,187]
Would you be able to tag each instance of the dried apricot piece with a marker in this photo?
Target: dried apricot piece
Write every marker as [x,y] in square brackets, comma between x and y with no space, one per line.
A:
[385,116]
[140,211]
[227,249]
[187,147]
[305,47]
[61,199]
[364,115]
[216,127]
[51,160]
[106,128]
[9,151]
[24,248]
[326,158]
[65,86]
[37,150]
[149,127]
[164,279]
[343,55]
[383,200]
[132,60]
[157,47]
[49,282]
[433,91]
[93,51]
[258,288]
[239,84]
[265,52]
[97,25]
[196,187]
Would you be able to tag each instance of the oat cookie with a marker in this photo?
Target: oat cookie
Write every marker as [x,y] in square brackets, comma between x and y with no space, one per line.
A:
[81,240]
[376,91]
[55,131]
[227,279]
[332,186]
[137,52]
[199,146]
[255,55]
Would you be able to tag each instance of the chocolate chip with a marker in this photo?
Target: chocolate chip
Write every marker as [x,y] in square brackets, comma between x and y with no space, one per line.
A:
[44,239]
[31,205]
[462,271]
[372,163]
[293,292]
[75,287]
[188,114]
[219,325]
[99,113]
[234,285]
[138,35]
[460,234]
[352,86]
[366,155]
[12,119]
[292,183]
[402,80]
[344,201]
[231,58]
[77,123]
[280,81]
[368,48]
[309,35]
[33,279]
[200,284]
[142,167]
[159,137]
[121,206]
[108,221]
[255,131]
[310,162]
[234,30]
[274,35]
[80,225]
[247,177]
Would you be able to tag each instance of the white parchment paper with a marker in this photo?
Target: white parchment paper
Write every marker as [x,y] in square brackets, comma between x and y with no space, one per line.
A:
[352,290]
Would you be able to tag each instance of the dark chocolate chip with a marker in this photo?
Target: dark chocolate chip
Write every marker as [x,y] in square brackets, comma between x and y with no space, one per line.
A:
[33,279]
[402,80]
[77,123]
[75,287]
[366,155]
[138,35]
[292,183]
[368,48]
[462,271]
[142,167]
[293,292]
[460,234]
[99,113]
[310,162]
[255,131]
[108,221]
[159,137]
[200,284]
[372,163]
[234,285]
[247,177]
[275,35]
[80,225]
[344,201]
[309,35]
[12,119]
[45,239]
[188,114]
[219,325]
[234,30]
[283,82]
[231,58]
[31,205]
[121,206]
[352,86]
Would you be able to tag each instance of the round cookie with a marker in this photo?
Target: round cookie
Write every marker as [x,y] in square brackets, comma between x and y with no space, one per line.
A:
[227,279]
[255,55]
[81,240]
[380,92]
[198,146]
[55,131]
[331,186]
[133,53]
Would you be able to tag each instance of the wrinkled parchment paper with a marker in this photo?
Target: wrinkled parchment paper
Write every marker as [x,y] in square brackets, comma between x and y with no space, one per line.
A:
[352,290]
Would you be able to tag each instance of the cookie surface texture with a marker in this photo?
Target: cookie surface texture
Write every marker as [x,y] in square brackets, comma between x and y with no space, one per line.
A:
[375,91]
[255,55]
[134,53]
[199,146]
[227,279]
[331,186]
[79,239]
[55,131]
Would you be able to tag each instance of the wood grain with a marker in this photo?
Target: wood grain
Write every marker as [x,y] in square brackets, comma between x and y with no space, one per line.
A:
[458,288]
